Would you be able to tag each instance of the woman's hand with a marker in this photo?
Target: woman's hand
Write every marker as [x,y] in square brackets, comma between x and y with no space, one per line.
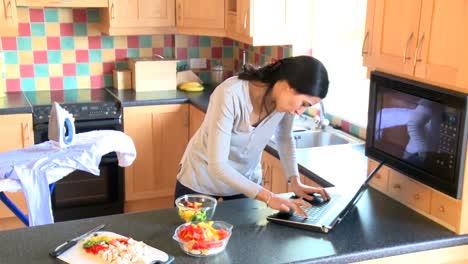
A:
[282,204]
[306,191]
[288,205]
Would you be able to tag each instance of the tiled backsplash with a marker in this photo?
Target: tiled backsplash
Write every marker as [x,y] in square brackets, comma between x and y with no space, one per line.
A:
[61,48]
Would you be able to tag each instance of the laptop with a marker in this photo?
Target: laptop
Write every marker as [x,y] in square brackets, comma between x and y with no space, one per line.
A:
[324,216]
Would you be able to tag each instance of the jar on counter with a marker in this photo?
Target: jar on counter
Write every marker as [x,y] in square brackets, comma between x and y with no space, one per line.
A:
[217,74]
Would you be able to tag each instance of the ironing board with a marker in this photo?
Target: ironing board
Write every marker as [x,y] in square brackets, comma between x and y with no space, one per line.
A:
[36,168]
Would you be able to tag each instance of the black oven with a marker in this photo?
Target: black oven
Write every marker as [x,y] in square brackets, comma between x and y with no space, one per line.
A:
[419,129]
[81,194]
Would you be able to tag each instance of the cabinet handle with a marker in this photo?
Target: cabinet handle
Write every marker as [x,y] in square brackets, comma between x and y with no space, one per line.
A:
[245,19]
[397,186]
[417,53]
[10,8]
[179,12]
[442,209]
[28,135]
[112,12]
[363,52]
[417,196]
[378,176]
[406,48]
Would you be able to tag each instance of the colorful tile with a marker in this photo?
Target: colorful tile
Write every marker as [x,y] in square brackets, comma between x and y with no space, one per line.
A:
[56,83]
[26,70]
[55,70]
[25,57]
[52,29]
[27,84]
[39,43]
[65,15]
[11,57]
[24,43]
[81,43]
[107,42]
[94,42]
[24,29]
[82,55]
[108,55]
[146,52]
[133,42]
[42,84]
[145,42]
[158,40]
[97,81]
[80,29]
[40,56]
[9,43]
[54,56]
[181,53]
[66,29]
[53,43]
[194,52]
[108,80]
[95,55]
[51,15]
[205,41]
[23,14]
[80,15]
[68,56]
[93,15]
[83,82]
[107,67]
[69,69]
[96,68]
[133,53]
[41,70]
[82,69]
[228,52]
[120,42]
[38,30]
[69,82]
[36,15]
[13,85]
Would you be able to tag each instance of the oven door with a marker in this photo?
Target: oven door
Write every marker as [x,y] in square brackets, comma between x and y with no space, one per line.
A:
[81,194]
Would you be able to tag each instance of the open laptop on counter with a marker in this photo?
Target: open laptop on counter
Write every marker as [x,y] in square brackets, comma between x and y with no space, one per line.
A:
[324,216]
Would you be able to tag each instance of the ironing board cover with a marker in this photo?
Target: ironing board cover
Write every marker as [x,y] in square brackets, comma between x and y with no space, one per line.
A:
[33,168]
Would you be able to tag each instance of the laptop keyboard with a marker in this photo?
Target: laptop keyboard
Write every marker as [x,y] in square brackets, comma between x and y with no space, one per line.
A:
[317,211]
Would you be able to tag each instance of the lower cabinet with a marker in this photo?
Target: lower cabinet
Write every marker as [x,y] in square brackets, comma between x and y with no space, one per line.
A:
[196,119]
[160,134]
[17,133]
[429,202]
[273,176]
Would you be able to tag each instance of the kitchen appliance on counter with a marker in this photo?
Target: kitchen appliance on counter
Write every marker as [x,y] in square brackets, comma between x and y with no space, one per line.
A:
[81,194]
[418,129]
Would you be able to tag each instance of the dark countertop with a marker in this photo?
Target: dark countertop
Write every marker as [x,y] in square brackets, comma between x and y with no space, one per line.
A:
[14,103]
[377,227]
[74,96]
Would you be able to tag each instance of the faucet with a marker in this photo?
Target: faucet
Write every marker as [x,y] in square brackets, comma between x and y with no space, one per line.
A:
[321,121]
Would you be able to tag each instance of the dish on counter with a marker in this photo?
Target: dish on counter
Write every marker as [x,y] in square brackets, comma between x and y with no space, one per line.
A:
[203,239]
[196,207]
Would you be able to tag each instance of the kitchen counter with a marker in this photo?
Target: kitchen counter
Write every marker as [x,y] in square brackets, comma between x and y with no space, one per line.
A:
[376,228]
[14,103]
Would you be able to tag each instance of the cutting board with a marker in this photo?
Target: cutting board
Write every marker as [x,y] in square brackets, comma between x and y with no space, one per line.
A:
[77,255]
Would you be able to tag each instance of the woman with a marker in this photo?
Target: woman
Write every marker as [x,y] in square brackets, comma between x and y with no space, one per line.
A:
[223,157]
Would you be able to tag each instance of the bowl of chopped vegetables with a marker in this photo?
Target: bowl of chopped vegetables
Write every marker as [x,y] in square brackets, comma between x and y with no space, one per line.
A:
[196,207]
[201,239]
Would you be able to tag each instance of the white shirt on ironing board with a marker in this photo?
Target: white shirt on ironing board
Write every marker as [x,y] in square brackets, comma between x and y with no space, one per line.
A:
[33,168]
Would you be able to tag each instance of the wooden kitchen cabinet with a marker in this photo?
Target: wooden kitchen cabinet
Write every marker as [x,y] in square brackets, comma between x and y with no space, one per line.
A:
[17,133]
[138,17]
[423,39]
[160,134]
[260,22]
[8,18]
[380,179]
[196,119]
[61,3]
[200,17]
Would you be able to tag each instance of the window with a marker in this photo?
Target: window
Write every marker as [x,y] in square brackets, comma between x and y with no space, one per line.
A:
[337,35]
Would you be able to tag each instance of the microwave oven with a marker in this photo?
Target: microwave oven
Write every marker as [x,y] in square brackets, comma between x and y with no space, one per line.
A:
[418,129]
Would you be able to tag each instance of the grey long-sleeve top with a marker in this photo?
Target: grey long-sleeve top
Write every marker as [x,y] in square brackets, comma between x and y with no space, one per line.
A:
[223,156]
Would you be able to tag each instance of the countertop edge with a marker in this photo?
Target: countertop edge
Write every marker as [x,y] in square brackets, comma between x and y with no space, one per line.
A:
[391,251]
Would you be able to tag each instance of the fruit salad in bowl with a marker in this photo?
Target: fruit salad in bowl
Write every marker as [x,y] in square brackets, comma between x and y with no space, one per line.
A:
[203,239]
[196,207]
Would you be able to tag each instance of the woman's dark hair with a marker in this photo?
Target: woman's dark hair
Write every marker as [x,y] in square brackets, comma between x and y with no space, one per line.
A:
[305,74]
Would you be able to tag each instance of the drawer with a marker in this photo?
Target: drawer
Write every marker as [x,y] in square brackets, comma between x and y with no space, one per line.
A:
[414,194]
[445,208]
[380,180]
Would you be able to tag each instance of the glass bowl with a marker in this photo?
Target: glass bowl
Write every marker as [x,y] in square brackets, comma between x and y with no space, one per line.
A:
[208,247]
[196,207]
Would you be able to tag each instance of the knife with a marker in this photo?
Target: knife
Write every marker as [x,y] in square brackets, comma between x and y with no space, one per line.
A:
[70,243]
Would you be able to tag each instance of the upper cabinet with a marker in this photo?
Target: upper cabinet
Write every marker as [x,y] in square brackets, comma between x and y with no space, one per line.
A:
[260,22]
[58,3]
[137,17]
[420,38]
[8,18]
[200,17]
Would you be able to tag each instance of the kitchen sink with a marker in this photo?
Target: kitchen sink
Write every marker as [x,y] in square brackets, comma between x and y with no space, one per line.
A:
[310,139]
[321,137]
